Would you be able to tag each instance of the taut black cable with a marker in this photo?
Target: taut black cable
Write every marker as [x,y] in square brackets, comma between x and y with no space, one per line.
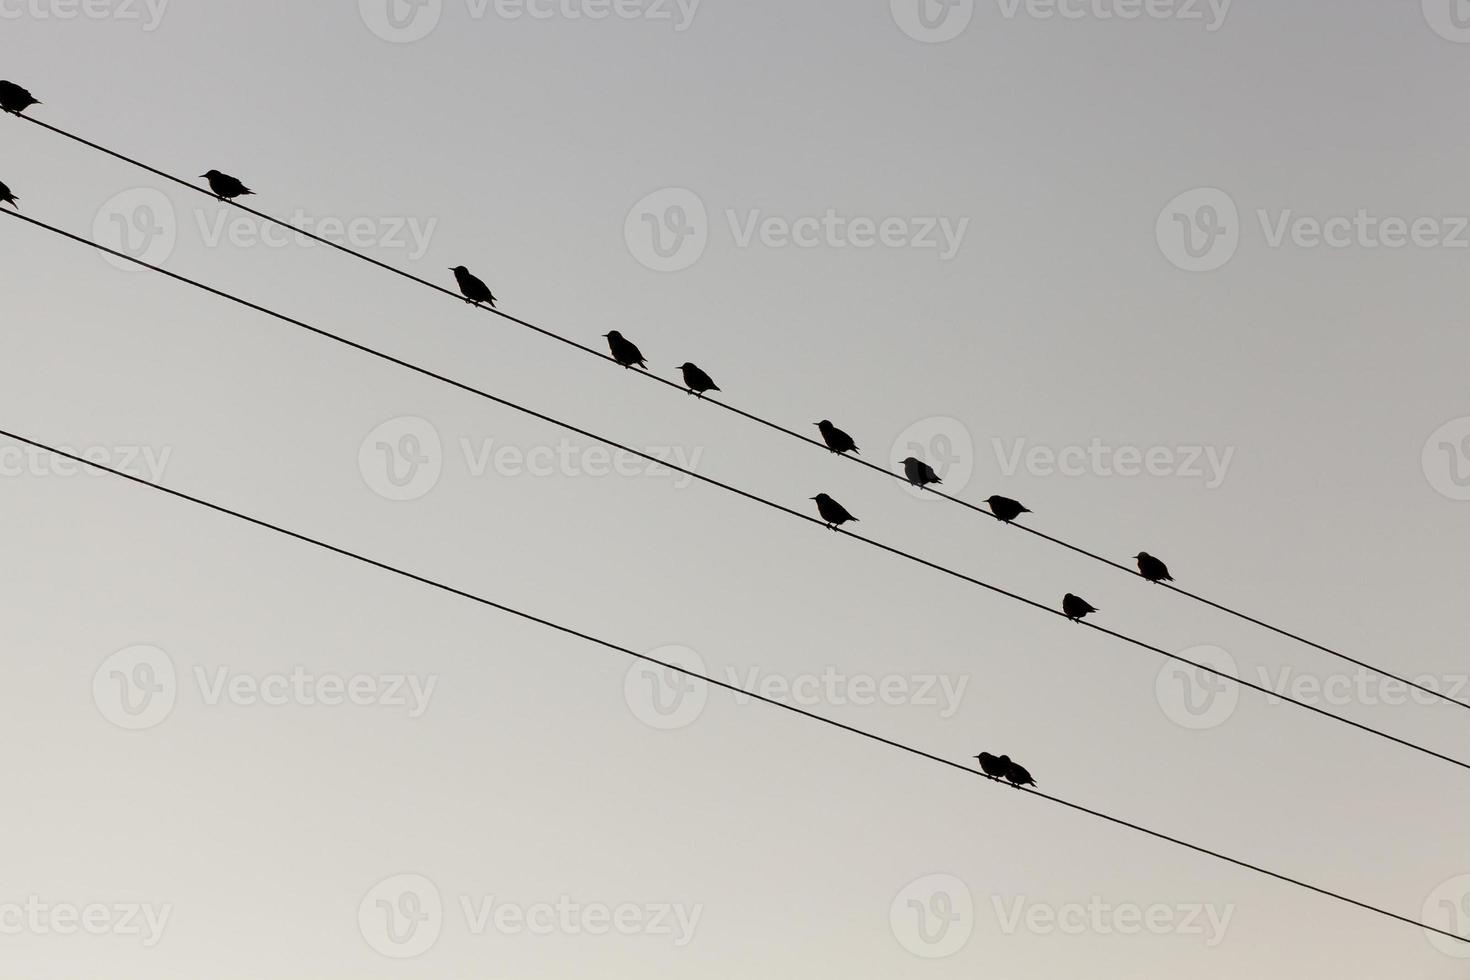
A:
[749,416]
[756,498]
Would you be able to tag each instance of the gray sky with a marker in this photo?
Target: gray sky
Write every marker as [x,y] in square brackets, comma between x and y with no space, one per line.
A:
[995,271]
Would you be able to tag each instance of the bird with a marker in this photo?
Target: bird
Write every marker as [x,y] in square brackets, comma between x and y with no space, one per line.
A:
[473,289]
[624,351]
[7,198]
[991,765]
[1076,607]
[1016,773]
[225,187]
[1152,569]
[832,512]
[696,380]
[919,473]
[14,99]
[1005,509]
[837,440]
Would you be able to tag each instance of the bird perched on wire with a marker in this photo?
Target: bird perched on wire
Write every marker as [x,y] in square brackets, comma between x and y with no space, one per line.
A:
[472,288]
[1152,569]
[992,765]
[696,380]
[14,99]
[624,351]
[1016,773]
[920,473]
[832,512]
[7,198]
[837,440]
[1005,509]
[1076,607]
[225,187]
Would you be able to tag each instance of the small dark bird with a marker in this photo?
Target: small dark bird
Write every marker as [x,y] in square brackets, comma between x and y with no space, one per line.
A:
[14,99]
[919,472]
[992,766]
[832,512]
[1152,569]
[1016,773]
[624,351]
[1076,607]
[837,440]
[474,290]
[696,380]
[225,187]
[1005,508]
[7,198]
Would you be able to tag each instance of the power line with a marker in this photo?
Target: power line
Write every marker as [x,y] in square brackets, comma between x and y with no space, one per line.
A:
[748,495]
[749,416]
[735,688]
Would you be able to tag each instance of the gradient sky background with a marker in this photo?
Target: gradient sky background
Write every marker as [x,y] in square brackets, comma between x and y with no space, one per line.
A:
[532,774]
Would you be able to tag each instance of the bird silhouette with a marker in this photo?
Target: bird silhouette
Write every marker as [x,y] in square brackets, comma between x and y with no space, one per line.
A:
[1016,773]
[837,440]
[624,351]
[1006,509]
[225,187]
[696,380]
[919,473]
[473,289]
[992,765]
[832,512]
[1152,569]
[1076,607]
[7,198]
[14,99]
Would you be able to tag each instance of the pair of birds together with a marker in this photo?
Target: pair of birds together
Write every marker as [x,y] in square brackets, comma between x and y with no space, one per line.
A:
[14,100]
[1000,767]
